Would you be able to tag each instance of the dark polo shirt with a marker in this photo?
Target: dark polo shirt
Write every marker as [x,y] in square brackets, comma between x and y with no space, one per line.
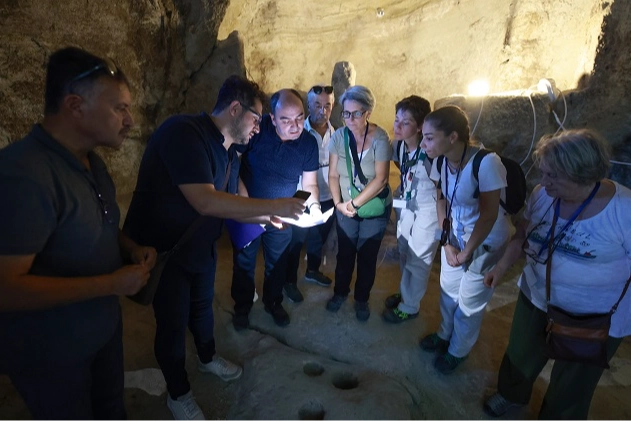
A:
[185,149]
[51,208]
[270,168]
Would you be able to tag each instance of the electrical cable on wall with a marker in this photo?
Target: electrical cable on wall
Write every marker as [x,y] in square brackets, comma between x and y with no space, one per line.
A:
[479,115]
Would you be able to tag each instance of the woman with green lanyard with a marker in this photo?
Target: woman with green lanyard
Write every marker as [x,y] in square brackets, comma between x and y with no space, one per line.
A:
[418,221]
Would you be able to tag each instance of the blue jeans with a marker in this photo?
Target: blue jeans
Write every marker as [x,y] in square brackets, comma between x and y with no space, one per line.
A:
[315,237]
[275,244]
[183,299]
[358,238]
[88,389]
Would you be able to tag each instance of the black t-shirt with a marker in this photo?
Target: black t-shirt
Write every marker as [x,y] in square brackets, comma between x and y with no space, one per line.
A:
[185,149]
[65,214]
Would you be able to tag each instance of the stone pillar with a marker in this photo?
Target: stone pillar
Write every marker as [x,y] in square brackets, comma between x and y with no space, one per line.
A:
[343,76]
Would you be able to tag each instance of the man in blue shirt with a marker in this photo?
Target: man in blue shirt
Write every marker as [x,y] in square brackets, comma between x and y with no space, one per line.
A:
[61,252]
[190,168]
[271,166]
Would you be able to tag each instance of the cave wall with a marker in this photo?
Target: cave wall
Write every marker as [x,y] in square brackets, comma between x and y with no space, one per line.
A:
[177,52]
[160,44]
[432,48]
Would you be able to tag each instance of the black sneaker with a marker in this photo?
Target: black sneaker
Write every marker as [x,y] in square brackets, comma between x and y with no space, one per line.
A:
[447,363]
[393,300]
[318,277]
[394,315]
[293,293]
[335,302]
[434,343]
[280,316]
[497,405]
[240,321]
[362,311]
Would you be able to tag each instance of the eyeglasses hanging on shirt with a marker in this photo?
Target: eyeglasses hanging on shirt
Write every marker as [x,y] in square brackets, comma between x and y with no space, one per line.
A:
[544,253]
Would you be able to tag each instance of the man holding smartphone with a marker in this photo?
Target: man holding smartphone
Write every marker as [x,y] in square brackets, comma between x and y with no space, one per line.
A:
[271,166]
[320,100]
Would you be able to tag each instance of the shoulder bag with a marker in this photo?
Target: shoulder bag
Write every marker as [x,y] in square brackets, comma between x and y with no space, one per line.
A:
[574,337]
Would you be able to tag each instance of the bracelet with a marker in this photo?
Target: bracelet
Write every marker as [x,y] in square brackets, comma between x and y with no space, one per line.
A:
[354,206]
[314,203]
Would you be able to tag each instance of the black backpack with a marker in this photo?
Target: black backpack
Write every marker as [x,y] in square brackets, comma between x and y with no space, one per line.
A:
[516,190]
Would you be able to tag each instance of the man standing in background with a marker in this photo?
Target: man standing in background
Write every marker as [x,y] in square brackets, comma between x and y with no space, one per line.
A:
[320,100]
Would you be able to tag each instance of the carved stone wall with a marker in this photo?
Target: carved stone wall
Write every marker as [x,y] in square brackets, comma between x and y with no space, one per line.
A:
[160,44]
[177,52]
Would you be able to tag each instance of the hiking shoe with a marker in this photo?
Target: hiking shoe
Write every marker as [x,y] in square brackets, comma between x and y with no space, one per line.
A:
[496,405]
[185,407]
[393,300]
[394,315]
[362,311]
[318,277]
[280,316]
[240,321]
[446,363]
[293,293]
[335,302]
[221,368]
[434,343]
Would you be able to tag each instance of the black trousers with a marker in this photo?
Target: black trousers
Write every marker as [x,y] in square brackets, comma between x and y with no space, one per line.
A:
[88,389]
[183,299]
[358,238]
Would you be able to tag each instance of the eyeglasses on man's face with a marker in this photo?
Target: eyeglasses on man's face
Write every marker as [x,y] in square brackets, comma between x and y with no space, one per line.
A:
[354,114]
[107,64]
[257,117]
[318,89]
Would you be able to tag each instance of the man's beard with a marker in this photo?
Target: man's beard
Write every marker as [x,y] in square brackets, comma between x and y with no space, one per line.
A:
[236,131]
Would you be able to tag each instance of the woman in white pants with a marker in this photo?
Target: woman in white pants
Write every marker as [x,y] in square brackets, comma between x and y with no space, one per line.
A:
[417,222]
[474,233]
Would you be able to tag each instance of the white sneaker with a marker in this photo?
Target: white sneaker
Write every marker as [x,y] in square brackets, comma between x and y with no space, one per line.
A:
[185,407]
[221,368]
[256,297]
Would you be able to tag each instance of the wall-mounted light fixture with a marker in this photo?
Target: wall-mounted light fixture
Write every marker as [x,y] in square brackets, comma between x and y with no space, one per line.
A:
[478,88]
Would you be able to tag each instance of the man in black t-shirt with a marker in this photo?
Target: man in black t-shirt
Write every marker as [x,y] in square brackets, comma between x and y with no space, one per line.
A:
[190,168]
[61,252]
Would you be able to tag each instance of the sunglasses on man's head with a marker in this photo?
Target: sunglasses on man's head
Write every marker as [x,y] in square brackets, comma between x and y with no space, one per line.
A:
[107,64]
[318,89]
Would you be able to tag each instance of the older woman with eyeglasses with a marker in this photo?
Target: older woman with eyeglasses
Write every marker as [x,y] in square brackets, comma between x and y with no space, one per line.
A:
[577,222]
[358,238]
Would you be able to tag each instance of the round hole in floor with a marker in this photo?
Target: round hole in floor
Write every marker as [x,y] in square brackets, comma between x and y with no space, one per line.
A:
[345,381]
[313,369]
[312,410]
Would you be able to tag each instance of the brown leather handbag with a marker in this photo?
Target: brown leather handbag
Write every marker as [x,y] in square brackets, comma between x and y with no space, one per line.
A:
[574,337]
